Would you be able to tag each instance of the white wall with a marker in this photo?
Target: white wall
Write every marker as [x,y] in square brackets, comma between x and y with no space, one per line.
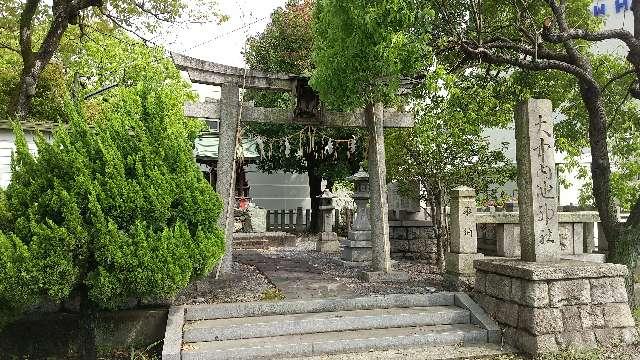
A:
[278,190]
[7,146]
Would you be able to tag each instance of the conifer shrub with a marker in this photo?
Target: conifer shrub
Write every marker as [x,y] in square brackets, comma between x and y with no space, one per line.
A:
[112,211]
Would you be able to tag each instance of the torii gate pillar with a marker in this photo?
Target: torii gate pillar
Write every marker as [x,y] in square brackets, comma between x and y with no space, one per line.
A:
[379,210]
[229,119]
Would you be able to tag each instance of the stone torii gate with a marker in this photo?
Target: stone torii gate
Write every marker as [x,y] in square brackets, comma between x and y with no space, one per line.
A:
[307,112]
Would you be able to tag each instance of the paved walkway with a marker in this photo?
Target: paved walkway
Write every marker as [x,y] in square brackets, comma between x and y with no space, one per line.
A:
[301,273]
[296,278]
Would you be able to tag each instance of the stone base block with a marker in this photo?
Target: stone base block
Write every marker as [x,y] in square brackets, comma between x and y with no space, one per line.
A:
[359,235]
[356,254]
[329,236]
[461,263]
[546,307]
[360,264]
[381,276]
[328,243]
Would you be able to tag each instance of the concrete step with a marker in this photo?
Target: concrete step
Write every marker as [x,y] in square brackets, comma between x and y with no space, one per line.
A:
[297,324]
[263,308]
[335,342]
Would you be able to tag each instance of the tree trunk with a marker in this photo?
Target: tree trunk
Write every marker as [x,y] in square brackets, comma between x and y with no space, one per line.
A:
[34,62]
[600,166]
[25,91]
[87,338]
[315,190]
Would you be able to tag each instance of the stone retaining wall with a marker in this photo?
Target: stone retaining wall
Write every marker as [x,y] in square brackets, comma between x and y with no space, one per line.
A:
[413,239]
[544,307]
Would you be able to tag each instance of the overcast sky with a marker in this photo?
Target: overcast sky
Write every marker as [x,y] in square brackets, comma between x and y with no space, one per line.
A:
[221,43]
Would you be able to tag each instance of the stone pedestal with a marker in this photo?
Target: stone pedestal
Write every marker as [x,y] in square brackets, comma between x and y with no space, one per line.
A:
[508,240]
[257,219]
[546,307]
[328,243]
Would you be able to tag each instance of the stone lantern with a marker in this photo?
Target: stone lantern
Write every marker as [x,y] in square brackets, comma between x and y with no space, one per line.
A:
[357,248]
[328,241]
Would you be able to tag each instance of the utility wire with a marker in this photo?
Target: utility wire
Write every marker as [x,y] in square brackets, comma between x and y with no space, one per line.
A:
[228,33]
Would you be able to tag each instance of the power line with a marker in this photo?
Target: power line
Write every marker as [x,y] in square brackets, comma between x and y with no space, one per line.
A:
[228,33]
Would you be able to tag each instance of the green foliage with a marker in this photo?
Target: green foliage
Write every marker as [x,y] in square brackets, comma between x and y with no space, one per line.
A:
[286,43]
[285,46]
[273,294]
[571,131]
[120,208]
[364,48]
[51,94]
[447,148]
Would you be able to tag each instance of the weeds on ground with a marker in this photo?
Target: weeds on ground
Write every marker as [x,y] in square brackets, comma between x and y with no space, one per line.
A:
[151,352]
[636,316]
[572,354]
[567,354]
[272,294]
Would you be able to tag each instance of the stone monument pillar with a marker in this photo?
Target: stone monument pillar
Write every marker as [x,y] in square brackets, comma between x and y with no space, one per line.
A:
[460,274]
[537,193]
[328,242]
[357,247]
[545,304]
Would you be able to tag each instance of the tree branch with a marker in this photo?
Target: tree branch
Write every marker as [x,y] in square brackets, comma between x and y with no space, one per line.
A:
[561,21]
[10,48]
[616,78]
[535,65]
[581,34]
[51,41]
[26,28]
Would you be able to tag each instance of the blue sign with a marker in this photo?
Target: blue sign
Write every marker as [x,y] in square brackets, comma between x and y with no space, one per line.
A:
[619,5]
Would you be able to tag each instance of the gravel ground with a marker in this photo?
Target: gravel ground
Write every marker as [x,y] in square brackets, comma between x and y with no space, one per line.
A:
[488,352]
[424,278]
[246,284]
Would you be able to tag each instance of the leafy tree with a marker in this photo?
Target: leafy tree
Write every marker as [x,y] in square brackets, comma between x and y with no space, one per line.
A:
[364,49]
[285,46]
[109,212]
[556,37]
[34,30]
[447,148]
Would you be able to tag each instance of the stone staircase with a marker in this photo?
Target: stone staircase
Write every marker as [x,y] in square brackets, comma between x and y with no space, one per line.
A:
[325,326]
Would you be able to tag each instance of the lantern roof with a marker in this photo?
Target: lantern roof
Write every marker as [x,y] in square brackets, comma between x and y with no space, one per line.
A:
[360,175]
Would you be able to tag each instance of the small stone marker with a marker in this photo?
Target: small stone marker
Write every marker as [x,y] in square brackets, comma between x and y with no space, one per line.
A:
[463,221]
[460,274]
[535,155]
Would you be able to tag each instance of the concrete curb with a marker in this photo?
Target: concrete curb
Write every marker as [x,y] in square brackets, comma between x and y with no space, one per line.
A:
[225,311]
[173,334]
[479,317]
